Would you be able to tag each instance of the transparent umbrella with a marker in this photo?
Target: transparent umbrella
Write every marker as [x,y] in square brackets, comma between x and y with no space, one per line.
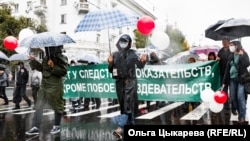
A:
[3,56]
[181,58]
[18,57]
[88,58]
[46,39]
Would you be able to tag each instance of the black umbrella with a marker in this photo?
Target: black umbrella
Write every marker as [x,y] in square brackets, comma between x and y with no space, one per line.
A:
[235,28]
[211,34]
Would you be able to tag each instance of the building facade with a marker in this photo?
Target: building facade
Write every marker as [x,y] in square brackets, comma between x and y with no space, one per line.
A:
[64,15]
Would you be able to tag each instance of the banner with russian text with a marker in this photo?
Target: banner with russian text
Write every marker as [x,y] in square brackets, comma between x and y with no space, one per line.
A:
[178,82]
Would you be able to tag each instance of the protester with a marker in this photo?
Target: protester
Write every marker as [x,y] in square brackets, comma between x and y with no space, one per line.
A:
[189,106]
[154,60]
[237,66]
[211,56]
[76,101]
[95,100]
[122,64]
[3,84]
[35,83]
[222,57]
[54,70]
[20,90]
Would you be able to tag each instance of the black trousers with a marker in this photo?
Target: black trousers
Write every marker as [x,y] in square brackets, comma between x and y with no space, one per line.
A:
[3,94]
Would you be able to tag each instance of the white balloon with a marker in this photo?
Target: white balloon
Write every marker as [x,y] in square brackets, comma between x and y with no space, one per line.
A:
[215,107]
[26,32]
[207,95]
[160,40]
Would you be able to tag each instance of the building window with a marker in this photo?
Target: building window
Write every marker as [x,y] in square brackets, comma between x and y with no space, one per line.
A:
[98,36]
[41,55]
[29,6]
[63,2]
[16,8]
[43,19]
[63,19]
[43,2]
[83,0]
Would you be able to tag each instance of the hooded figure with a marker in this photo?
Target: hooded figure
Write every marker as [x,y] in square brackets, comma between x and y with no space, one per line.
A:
[53,69]
[122,64]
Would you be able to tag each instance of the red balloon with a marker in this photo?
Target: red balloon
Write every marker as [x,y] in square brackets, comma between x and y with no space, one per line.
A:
[220,97]
[145,25]
[10,43]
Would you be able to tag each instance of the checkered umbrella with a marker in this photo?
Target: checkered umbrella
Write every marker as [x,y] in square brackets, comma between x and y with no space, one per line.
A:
[46,39]
[105,19]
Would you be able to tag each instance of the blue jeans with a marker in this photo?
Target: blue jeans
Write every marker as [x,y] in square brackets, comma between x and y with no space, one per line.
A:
[238,97]
[123,119]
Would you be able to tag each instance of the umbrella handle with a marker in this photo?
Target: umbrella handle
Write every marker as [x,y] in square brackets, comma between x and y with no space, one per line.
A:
[109,42]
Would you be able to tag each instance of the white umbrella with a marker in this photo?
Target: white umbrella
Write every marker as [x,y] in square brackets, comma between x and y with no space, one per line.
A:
[181,58]
[89,58]
[18,57]
[3,56]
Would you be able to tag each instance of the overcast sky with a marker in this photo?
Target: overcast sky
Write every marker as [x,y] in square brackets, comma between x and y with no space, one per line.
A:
[194,16]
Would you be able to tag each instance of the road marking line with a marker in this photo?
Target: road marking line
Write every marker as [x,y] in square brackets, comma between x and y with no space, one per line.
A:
[160,111]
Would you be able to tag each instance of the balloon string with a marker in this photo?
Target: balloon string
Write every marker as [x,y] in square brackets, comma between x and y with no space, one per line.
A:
[222,88]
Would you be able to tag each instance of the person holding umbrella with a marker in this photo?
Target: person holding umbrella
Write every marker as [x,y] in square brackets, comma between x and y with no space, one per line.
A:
[122,64]
[222,57]
[54,69]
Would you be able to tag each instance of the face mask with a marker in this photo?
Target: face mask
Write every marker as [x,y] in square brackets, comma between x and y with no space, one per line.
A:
[232,48]
[123,44]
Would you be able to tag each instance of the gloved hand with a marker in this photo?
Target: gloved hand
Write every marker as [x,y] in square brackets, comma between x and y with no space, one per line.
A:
[51,63]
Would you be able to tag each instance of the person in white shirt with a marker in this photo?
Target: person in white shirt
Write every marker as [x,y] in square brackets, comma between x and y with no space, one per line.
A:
[35,83]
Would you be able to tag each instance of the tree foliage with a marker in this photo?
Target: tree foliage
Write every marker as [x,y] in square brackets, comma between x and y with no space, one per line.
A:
[140,40]
[178,42]
[11,26]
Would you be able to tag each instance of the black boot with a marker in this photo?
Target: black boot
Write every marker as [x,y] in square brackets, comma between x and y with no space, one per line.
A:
[16,107]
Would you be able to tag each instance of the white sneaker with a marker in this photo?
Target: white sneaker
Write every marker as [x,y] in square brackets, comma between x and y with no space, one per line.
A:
[33,131]
[55,130]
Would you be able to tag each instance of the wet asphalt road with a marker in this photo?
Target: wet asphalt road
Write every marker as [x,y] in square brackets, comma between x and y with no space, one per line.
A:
[94,124]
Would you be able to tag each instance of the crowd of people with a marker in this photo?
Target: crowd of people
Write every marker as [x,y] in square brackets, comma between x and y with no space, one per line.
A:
[47,79]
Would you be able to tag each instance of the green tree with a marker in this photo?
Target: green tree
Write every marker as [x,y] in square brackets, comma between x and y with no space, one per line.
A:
[140,40]
[11,26]
[178,42]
